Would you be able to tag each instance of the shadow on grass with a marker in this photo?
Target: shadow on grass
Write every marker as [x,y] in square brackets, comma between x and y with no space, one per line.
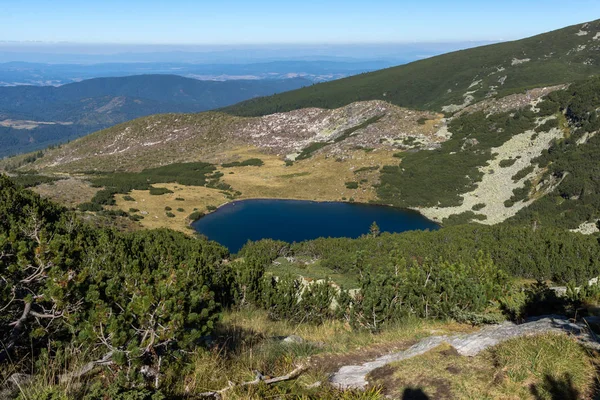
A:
[414,394]
[558,389]
[233,339]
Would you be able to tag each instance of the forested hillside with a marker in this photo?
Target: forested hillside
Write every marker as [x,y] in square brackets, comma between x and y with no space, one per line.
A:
[450,81]
[33,117]
[544,157]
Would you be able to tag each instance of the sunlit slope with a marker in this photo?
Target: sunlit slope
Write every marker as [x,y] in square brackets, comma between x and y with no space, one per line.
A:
[450,81]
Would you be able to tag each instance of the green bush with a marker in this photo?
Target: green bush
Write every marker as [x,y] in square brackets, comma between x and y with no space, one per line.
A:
[82,282]
[154,191]
[551,253]
[105,197]
[425,290]
[366,169]
[89,206]
[191,174]
[522,193]
[523,173]
[352,185]
[547,126]
[507,163]
[195,216]
[290,299]
[478,206]
[251,162]
[31,179]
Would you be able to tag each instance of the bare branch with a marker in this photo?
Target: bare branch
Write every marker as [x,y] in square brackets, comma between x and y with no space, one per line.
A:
[10,302]
[16,330]
[218,394]
[52,316]
[106,360]
[18,324]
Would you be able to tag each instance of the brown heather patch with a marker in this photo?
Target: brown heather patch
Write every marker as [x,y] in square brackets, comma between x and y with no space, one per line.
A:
[69,192]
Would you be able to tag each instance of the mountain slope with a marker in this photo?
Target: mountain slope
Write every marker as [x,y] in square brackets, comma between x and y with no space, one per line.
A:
[33,117]
[529,156]
[451,81]
[168,138]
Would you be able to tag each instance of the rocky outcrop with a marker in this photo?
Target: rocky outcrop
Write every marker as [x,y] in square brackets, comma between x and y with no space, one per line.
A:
[355,376]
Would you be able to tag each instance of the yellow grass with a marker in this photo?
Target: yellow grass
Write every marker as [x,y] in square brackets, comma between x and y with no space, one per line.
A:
[325,347]
[154,206]
[338,336]
[318,178]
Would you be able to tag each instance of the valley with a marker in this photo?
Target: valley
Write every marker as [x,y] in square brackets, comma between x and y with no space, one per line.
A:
[346,154]
[477,162]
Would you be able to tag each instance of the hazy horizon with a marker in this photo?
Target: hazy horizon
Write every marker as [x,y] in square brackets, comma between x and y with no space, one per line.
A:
[238,22]
[227,54]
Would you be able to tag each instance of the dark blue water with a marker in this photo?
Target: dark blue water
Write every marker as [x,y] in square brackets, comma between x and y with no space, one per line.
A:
[293,221]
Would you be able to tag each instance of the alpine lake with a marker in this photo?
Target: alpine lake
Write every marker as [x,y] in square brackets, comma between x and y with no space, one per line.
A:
[234,224]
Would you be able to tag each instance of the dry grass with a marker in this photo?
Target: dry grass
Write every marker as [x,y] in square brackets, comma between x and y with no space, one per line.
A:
[337,336]
[156,217]
[319,178]
[548,366]
[69,192]
[251,341]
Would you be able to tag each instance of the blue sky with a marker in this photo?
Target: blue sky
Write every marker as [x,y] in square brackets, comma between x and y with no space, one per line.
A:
[285,21]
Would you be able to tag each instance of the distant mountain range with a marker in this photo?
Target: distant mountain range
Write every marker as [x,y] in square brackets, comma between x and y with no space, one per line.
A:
[46,74]
[33,117]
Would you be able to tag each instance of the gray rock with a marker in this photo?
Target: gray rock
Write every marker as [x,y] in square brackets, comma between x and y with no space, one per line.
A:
[355,376]
[13,383]
[293,339]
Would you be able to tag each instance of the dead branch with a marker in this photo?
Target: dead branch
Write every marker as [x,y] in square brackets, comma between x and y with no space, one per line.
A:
[106,360]
[218,395]
[292,375]
[16,330]
[45,316]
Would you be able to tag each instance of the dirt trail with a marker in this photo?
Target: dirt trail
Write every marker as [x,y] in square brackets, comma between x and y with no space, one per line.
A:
[355,376]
